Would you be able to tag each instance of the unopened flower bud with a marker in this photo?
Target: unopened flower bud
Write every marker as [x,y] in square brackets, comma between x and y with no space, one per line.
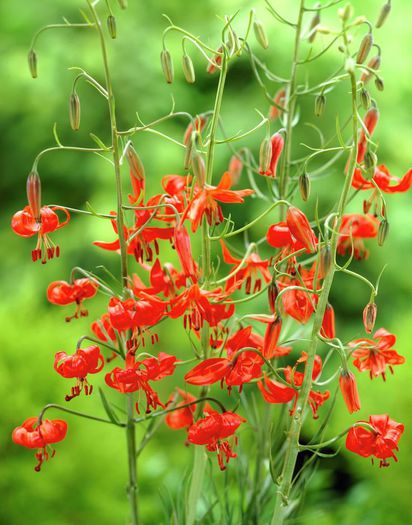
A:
[273,292]
[320,102]
[324,30]
[369,316]
[369,162]
[260,34]
[349,389]
[74,111]
[188,69]
[365,98]
[313,25]
[111,26]
[271,338]
[279,100]
[167,65]
[265,155]
[346,12]
[328,323]
[325,263]
[364,49]
[235,169]
[383,15]
[135,163]
[233,42]
[304,186]
[383,231]
[199,168]
[379,84]
[299,227]
[32,58]
[374,63]
[122,4]
[33,187]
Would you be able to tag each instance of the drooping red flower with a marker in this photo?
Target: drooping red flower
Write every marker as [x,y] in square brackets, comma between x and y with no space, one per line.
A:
[83,362]
[376,354]
[181,417]
[299,227]
[213,432]
[33,435]
[384,180]
[379,442]
[132,314]
[216,62]
[328,324]
[163,279]
[25,224]
[276,392]
[205,201]
[63,293]
[349,389]
[354,228]
[137,374]
[246,271]
[297,303]
[196,305]
[184,252]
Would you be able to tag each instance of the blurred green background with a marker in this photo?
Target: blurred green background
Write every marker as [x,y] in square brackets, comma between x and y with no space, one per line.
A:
[85,482]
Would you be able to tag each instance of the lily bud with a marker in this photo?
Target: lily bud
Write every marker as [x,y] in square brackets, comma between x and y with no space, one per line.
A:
[383,15]
[271,338]
[349,389]
[277,143]
[273,292]
[369,316]
[300,228]
[380,86]
[235,169]
[328,324]
[122,4]
[217,60]
[383,232]
[325,263]
[135,163]
[74,111]
[167,65]
[304,186]
[374,63]
[199,168]
[32,59]
[346,12]
[265,155]
[197,125]
[364,49]
[260,34]
[365,98]
[320,102]
[33,187]
[188,69]
[278,99]
[111,26]
[369,162]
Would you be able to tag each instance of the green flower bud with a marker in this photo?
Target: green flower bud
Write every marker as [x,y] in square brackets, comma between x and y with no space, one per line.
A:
[383,15]
[260,34]
[364,49]
[32,58]
[188,69]
[320,102]
[74,111]
[304,186]
[111,25]
[167,65]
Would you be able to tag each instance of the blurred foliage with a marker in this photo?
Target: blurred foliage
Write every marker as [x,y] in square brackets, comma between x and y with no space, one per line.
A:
[85,482]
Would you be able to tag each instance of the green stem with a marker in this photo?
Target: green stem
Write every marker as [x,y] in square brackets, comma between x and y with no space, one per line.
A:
[292,444]
[290,107]
[130,428]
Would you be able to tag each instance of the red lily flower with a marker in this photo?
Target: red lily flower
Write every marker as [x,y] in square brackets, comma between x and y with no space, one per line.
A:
[384,180]
[276,392]
[103,329]
[353,229]
[349,389]
[212,431]
[166,280]
[25,224]
[33,435]
[140,239]
[376,354]
[379,442]
[177,189]
[63,293]
[83,362]
[194,303]
[137,374]
[297,303]
[181,417]
[137,174]
[247,270]
[277,142]
[235,169]
[131,314]
[279,99]
[299,227]
[205,201]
